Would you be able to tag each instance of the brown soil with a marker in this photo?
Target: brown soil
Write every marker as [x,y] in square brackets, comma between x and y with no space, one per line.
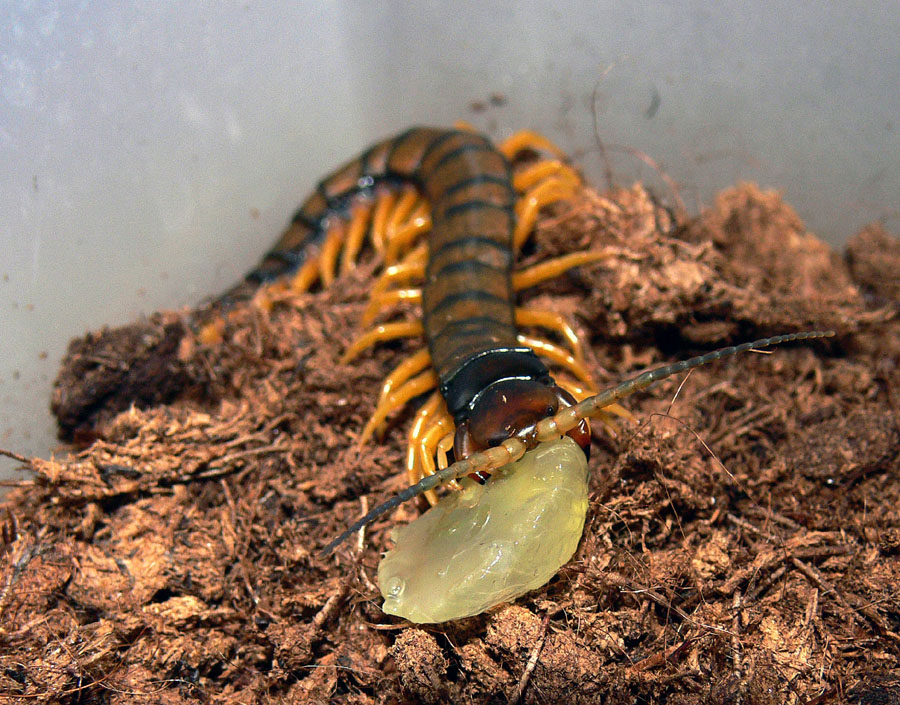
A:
[743,539]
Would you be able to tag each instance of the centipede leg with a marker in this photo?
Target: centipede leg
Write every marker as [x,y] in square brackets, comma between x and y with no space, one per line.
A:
[411,268]
[553,268]
[445,445]
[580,394]
[334,238]
[527,139]
[434,435]
[422,421]
[530,175]
[408,200]
[424,382]
[380,334]
[356,235]
[308,273]
[527,208]
[384,206]
[573,388]
[392,298]
[430,439]
[554,322]
[560,356]
[418,223]
[608,415]
[406,370]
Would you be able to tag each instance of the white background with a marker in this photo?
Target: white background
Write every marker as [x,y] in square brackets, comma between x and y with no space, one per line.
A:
[150,152]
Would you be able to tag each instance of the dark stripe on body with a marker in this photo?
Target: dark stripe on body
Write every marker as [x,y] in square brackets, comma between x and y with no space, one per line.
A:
[396,143]
[479,179]
[301,219]
[469,241]
[465,149]
[433,145]
[475,323]
[473,266]
[464,296]
[469,206]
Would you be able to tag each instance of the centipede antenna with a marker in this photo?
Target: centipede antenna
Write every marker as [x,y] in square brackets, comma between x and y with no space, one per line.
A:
[508,451]
[567,418]
[422,486]
[644,380]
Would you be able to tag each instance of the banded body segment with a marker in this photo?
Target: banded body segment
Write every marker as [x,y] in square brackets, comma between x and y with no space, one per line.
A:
[467,294]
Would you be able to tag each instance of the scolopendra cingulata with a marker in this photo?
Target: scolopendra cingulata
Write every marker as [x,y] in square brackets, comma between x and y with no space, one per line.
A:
[495,399]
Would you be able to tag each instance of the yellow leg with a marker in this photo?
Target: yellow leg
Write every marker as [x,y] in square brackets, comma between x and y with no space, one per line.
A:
[575,390]
[412,268]
[527,139]
[426,413]
[381,333]
[408,200]
[418,224]
[417,385]
[411,366]
[531,175]
[432,414]
[356,235]
[552,268]
[334,238]
[423,419]
[445,445]
[580,394]
[439,429]
[384,206]
[560,356]
[308,273]
[390,298]
[527,208]
[555,322]
[608,421]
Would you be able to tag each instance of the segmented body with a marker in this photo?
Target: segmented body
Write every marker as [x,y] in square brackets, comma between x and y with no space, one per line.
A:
[468,302]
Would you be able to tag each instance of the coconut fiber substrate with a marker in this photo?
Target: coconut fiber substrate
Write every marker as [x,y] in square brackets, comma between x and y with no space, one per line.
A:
[742,542]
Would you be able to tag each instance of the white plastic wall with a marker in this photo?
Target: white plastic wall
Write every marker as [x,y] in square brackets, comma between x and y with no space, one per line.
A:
[150,151]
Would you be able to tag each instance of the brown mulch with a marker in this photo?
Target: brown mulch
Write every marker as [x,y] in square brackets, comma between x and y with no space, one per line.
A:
[743,538]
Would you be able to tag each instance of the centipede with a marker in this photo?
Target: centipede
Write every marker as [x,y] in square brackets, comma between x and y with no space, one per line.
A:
[447,214]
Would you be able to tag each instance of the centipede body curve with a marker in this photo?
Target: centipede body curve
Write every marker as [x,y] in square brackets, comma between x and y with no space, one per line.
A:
[498,393]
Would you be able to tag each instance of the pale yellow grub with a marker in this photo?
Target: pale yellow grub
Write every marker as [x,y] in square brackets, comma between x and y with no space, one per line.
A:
[489,543]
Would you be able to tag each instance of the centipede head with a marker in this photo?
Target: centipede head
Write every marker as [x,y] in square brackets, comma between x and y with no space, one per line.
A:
[510,408]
